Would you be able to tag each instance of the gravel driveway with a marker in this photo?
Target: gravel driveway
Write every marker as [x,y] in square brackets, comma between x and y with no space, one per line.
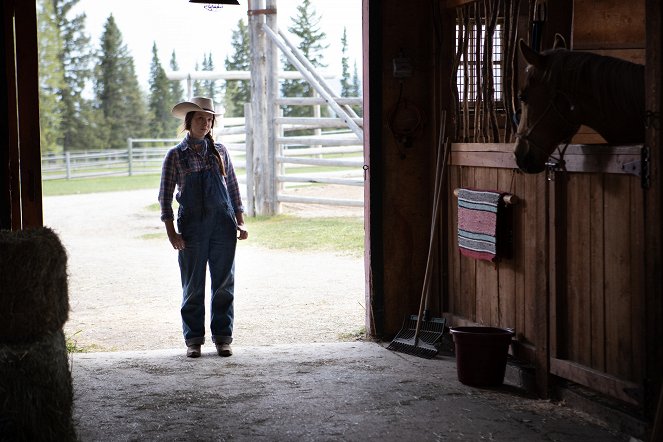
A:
[124,289]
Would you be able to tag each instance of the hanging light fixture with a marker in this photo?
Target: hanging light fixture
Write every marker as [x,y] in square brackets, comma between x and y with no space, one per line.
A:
[216,2]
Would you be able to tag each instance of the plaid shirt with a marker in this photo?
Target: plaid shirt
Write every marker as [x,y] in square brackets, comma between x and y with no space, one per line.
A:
[174,173]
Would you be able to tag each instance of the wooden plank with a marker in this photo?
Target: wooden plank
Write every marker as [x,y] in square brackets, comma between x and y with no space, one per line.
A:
[626,391]
[618,292]
[486,273]
[653,200]
[27,85]
[455,304]
[468,265]
[572,149]
[578,158]
[526,210]
[576,269]
[506,270]
[597,273]
[608,23]
[538,308]
[636,279]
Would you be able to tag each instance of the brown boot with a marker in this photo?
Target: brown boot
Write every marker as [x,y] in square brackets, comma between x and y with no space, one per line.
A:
[193,351]
[224,349]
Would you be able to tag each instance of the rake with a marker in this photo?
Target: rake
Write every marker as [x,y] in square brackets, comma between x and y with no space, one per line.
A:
[420,334]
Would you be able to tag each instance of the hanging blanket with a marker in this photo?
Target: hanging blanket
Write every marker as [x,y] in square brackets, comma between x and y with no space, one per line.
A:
[477,223]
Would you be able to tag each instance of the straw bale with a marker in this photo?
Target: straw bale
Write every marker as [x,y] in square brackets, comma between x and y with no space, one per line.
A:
[34,298]
[36,392]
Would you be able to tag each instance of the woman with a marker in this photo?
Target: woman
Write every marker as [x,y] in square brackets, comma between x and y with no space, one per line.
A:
[209,216]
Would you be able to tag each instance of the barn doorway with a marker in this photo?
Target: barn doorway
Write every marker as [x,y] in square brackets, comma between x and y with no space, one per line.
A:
[124,278]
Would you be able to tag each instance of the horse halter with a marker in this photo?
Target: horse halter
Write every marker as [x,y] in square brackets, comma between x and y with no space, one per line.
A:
[557,162]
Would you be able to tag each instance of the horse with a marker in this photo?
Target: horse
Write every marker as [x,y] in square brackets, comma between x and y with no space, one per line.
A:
[565,89]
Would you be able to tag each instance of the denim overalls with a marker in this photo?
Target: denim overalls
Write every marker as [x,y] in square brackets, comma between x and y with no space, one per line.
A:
[207,222]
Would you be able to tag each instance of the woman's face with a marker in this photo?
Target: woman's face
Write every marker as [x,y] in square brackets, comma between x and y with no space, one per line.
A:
[201,124]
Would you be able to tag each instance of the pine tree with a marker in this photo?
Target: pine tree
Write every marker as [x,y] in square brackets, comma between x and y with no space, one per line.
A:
[238,92]
[198,85]
[51,79]
[75,58]
[176,93]
[176,90]
[355,90]
[160,101]
[305,26]
[117,92]
[345,67]
[209,87]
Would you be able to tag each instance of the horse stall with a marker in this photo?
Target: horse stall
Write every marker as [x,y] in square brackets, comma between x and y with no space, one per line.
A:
[574,273]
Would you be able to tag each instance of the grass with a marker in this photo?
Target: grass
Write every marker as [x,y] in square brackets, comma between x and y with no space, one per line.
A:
[286,232]
[100,184]
[340,235]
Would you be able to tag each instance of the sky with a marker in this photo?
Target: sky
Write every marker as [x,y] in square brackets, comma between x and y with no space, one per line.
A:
[192,30]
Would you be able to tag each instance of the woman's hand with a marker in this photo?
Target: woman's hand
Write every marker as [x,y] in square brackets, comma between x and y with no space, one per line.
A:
[177,241]
[175,238]
[243,233]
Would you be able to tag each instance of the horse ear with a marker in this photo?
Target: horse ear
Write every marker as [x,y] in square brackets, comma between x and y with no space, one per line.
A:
[530,55]
[559,43]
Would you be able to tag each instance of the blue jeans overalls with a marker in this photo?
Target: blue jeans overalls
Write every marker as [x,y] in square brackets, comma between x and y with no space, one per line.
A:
[206,220]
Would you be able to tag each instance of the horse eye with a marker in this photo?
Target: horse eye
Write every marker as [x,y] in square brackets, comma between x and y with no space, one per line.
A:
[522,97]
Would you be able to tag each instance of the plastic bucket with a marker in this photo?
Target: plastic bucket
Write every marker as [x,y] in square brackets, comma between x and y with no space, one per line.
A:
[481,354]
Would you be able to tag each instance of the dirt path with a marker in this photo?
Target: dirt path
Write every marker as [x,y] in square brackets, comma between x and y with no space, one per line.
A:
[125,293]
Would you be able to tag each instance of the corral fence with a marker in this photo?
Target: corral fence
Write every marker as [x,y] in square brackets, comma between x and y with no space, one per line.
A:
[331,155]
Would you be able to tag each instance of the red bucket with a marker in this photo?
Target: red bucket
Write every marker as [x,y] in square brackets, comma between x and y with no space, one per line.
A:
[481,354]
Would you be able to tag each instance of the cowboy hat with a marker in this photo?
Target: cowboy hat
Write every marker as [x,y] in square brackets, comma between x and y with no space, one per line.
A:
[196,104]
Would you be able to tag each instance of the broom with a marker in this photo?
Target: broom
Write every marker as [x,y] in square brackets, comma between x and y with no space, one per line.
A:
[420,333]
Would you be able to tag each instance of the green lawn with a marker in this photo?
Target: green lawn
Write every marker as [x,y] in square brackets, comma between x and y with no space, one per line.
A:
[341,235]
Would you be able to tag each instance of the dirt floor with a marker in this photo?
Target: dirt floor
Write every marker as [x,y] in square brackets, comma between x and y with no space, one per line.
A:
[290,378]
[125,290]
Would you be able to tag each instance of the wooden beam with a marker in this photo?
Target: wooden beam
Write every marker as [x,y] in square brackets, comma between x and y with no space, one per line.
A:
[653,223]
[577,157]
[596,380]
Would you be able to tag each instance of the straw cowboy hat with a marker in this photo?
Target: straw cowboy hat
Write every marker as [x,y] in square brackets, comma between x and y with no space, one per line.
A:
[196,104]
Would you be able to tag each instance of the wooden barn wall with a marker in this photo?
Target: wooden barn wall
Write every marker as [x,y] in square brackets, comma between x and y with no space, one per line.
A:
[573,288]
[401,201]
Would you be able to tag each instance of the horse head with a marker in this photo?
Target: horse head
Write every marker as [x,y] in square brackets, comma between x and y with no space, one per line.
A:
[547,113]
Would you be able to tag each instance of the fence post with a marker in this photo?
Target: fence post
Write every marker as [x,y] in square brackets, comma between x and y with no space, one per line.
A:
[248,143]
[130,154]
[67,164]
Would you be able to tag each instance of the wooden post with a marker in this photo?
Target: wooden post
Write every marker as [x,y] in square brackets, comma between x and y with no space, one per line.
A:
[271,62]
[653,198]
[258,110]
[263,89]
[248,143]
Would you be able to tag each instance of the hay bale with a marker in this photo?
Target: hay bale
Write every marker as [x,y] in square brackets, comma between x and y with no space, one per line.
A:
[34,299]
[36,392]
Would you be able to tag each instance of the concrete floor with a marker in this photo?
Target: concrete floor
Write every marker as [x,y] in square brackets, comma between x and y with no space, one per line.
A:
[354,391]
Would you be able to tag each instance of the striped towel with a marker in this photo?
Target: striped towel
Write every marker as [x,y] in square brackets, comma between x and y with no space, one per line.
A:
[477,223]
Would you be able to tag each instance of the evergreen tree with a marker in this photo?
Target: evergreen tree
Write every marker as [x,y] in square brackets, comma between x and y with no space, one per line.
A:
[160,101]
[75,60]
[209,87]
[305,26]
[176,90]
[176,95]
[198,85]
[51,79]
[238,92]
[117,92]
[355,91]
[345,67]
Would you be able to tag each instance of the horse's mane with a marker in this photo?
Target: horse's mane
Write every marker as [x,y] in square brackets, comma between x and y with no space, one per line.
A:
[614,83]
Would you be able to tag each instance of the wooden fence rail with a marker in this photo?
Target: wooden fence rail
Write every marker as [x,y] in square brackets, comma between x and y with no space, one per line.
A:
[334,157]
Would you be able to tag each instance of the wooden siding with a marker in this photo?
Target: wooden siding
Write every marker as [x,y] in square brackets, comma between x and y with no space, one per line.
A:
[575,269]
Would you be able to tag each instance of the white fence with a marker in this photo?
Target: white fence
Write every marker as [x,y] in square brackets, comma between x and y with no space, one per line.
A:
[330,156]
